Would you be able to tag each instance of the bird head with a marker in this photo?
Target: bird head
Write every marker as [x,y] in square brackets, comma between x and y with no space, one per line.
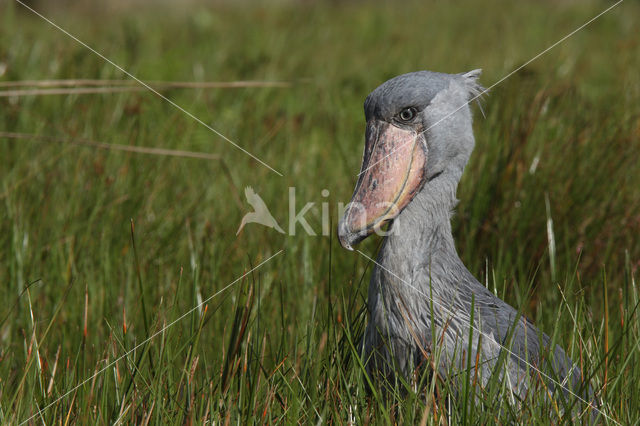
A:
[418,129]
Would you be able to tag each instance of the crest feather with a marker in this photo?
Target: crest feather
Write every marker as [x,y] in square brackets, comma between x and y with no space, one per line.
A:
[475,90]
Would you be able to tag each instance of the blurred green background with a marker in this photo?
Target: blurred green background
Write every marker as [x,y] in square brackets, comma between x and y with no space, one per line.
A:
[557,148]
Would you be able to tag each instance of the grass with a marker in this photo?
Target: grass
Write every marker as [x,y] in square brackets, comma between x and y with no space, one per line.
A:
[557,151]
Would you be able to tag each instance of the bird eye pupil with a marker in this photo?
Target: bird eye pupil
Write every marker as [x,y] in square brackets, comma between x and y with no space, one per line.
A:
[406,114]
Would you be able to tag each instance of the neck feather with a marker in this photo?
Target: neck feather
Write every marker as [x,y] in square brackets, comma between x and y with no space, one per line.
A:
[421,234]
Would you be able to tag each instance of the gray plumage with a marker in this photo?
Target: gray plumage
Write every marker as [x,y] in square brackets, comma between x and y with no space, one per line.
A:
[420,294]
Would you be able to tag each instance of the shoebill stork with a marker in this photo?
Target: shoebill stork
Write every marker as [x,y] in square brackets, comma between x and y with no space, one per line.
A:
[421,296]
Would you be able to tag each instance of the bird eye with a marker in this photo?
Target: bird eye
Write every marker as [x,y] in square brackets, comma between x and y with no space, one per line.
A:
[407,114]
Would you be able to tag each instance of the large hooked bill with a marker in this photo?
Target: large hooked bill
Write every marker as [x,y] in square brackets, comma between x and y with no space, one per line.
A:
[393,167]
